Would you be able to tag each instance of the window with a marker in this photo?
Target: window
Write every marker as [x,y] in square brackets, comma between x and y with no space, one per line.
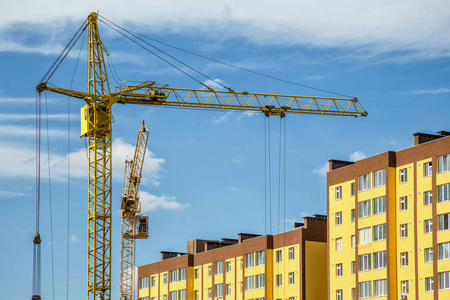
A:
[443,222]
[364,182]
[209,293]
[379,232]
[404,230]
[339,218]
[339,295]
[405,287]
[196,273]
[429,284]
[218,290]
[353,267]
[182,274]
[404,259]
[353,241]
[428,226]
[443,163]
[379,178]
[249,260]
[259,281]
[379,260]
[249,283]
[379,205]
[338,244]
[279,280]
[228,266]
[291,298]
[291,278]
[165,297]
[260,260]
[428,255]
[218,268]
[427,169]
[338,270]
[210,271]
[339,193]
[353,293]
[279,256]
[444,251]
[365,289]
[196,295]
[145,298]
[364,236]
[182,294]
[444,280]
[364,209]
[173,276]
[380,288]
[228,289]
[353,215]
[153,281]
[365,262]
[173,295]
[352,187]
[143,283]
[291,253]
[403,175]
[443,192]
[427,198]
[403,203]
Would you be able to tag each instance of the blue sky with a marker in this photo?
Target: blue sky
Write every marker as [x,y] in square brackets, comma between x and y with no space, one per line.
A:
[204,173]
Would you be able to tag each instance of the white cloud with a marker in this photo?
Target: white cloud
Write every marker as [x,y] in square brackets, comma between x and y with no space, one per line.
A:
[23,117]
[322,170]
[247,114]
[370,27]
[423,92]
[357,155]
[215,84]
[221,119]
[20,161]
[10,194]
[28,131]
[151,202]
[237,159]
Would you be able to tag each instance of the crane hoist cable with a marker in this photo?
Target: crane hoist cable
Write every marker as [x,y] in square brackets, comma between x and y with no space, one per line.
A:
[231,65]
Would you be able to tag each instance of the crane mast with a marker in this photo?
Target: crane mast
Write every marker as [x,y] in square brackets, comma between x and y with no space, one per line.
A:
[133,226]
[96,123]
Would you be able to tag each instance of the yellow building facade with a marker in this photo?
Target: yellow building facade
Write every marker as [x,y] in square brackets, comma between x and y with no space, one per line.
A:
[288,266]
[388,223]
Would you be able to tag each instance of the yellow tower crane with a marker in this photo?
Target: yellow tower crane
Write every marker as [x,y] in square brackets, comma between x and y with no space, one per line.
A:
[133,226]
[96,126]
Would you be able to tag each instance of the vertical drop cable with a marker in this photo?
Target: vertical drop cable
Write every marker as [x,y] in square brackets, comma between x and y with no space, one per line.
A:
[36,284]
[270,181]
[265,176]
[279,180]
[50,200]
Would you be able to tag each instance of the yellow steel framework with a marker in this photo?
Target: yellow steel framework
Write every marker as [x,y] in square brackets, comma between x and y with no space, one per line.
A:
[97,124]
[130,206]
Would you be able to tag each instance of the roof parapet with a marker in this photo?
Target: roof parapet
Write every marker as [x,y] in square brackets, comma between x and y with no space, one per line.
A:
[334,164]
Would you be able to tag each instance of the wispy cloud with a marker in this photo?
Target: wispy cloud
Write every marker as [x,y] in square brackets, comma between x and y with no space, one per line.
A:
[222,119]
[237,159]
[25,117]
[74,239]
[423,92]
[322,170]
[151,202]
[374,27]
[357,155]
[247,114]
[233,189]
[20,162]
[10,194]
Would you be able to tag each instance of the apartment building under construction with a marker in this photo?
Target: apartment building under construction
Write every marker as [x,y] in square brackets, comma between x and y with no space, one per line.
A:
[290,265]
